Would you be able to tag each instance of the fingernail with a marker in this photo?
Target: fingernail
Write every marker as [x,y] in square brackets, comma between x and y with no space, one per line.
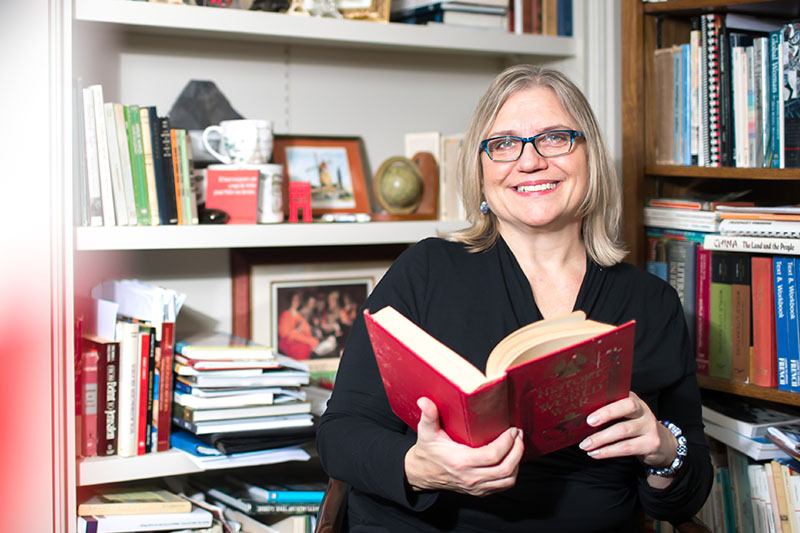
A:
[585,444]
[592,453]
[592,420]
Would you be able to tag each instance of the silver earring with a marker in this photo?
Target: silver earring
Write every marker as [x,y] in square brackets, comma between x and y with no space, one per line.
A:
[484,207]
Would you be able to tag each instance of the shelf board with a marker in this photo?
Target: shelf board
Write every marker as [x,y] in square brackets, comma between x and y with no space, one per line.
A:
[680,171]
[751,391]
[258,235]
[781,8]
[113,469]
[255,26]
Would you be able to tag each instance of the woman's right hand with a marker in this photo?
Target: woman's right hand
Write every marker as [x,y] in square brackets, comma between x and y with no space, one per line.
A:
[436,462]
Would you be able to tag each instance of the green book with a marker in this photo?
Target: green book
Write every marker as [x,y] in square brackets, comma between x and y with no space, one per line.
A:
[720,363]
[134,127]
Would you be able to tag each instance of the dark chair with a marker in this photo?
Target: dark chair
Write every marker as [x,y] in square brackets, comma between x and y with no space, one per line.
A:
[334,506]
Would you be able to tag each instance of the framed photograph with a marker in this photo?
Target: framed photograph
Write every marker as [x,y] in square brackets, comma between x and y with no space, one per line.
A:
[333,165]
[374,10]
[306,310]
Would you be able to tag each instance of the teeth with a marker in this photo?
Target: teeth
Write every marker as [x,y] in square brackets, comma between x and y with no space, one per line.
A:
[537,188]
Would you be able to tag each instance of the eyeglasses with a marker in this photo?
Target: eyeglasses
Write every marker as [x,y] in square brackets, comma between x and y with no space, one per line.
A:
[547,144]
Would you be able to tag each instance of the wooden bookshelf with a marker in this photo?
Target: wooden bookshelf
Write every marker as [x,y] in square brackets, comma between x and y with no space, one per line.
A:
[750,391]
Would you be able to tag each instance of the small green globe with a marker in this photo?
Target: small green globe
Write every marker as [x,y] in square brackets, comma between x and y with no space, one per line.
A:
[399,185]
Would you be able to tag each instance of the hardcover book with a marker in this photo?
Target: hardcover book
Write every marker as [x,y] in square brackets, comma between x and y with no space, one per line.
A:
[133,500]
[194,519]
[544,378]
[764,371]
[107,383]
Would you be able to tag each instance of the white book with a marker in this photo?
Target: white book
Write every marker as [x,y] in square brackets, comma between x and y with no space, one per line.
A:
[267,379]
[743,416]
[115,164]
[254,411]
[245,424]
[235,400]
[144,522]
[450,205]
[127,391]
[760,228]
[757,448]
[125,161]
[106,188]
[752,244]
[94,200]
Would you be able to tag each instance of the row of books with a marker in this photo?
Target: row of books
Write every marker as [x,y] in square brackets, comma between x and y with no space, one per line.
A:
[136,169]
[541,17]
[124,351]
[203,504]
[730,96]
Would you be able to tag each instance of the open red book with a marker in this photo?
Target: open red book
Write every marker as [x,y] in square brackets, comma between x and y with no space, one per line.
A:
[544,378]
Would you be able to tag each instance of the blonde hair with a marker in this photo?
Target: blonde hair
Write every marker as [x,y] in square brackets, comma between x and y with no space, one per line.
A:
[601,207]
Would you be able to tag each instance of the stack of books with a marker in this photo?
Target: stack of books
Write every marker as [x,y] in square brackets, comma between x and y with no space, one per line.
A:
[743,424]
[480,13]
[237,396]
[138,508]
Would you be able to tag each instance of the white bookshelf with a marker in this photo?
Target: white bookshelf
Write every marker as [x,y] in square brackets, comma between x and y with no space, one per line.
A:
[167,19]
[258,236]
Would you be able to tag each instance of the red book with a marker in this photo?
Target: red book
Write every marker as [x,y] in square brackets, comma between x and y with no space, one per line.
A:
[88,370]
[107,385]
[165,385]
[703,302]
[764,370]
[234,192]
[141,411]
[544,378]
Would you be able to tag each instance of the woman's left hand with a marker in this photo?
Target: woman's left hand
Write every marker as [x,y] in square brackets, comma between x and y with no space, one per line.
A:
[633,431]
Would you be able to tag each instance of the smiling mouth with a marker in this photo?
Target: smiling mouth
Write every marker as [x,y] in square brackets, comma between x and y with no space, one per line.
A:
[539,187]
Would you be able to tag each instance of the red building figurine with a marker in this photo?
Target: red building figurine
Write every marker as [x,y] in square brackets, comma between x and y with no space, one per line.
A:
[299,198]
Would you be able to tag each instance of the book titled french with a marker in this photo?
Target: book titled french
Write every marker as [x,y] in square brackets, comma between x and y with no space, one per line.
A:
[544,378]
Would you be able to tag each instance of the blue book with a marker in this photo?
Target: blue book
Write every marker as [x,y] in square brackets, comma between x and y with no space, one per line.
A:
[793,324]
[781,322]
[183,440]
[564,14]
[686,120]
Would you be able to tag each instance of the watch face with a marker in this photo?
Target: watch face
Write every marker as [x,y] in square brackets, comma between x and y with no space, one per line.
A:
[399,185]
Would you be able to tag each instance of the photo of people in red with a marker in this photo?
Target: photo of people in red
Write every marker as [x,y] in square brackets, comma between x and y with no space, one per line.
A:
[313,321]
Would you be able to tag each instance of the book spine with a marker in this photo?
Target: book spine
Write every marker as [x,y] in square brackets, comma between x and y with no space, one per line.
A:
[726,100]
[128,335]
[720,318]
[165,385]
[94,200]
[125,163]
[190,202]
[703,327]
[740,318]
[742,243]
[681,268]
[141,388]
[134,126]
[711,47]
[764,371]
[106,187]
[149,167]
[781,322]
[89,380]
[156,139]
[151,377]
[775,103]
[107,397]
[115,165]
[791,90]
[176,173]
[792,326]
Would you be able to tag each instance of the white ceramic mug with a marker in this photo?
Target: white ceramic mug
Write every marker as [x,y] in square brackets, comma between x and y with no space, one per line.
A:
[246,141]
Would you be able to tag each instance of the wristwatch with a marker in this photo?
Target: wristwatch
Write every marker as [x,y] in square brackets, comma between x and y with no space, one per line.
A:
[670,470]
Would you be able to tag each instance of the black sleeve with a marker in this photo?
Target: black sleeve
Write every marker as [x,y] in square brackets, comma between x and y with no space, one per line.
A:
[359,439]
[671,371]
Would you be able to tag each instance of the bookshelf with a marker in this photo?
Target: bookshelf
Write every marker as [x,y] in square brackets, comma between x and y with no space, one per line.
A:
[669,22]
[308,76]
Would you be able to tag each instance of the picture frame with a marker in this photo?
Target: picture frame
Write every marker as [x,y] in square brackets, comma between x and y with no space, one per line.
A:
[372,10]
[334,165]
[306,311]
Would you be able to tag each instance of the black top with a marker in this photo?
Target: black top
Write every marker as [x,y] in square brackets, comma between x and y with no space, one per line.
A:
[470,301]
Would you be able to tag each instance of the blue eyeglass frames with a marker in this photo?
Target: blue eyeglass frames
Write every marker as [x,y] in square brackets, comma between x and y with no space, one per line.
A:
[547,144]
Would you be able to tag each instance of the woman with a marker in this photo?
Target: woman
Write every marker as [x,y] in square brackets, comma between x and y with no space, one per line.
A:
[541,192]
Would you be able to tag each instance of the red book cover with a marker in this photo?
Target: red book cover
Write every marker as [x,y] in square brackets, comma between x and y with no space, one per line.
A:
[88,366]
[234,192]
[576,366]
[165,385]
[703,301]
[141,412]
[764,371]
[107,385]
